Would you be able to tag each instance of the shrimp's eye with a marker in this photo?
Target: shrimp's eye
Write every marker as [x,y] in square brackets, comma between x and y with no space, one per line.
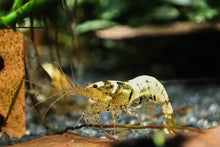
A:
[95,86]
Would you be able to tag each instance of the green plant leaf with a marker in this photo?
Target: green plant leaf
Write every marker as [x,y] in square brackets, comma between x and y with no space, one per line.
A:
[92,25]
[165,13]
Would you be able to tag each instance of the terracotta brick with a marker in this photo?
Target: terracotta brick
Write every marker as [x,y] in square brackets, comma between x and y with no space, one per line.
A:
[12,71]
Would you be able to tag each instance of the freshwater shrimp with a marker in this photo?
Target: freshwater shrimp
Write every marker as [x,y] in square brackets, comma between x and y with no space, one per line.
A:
[118,96]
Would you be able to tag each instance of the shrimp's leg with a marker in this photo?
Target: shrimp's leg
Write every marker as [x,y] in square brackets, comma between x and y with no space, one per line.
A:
[169,120]
[137,112]
[115,117]
[133,114]
[93,112]
[96,116]
[81,117]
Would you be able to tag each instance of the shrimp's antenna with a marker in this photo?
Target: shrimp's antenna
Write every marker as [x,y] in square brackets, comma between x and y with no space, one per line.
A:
[74,77]
[43,101]
[64,74]
[59,98]
[38,85]
[59,66]
[81,117]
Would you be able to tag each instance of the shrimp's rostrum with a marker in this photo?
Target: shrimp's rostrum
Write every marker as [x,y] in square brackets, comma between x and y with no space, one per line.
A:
[118,96]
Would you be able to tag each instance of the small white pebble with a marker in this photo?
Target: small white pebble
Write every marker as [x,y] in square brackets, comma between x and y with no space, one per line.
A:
[27,132]
[214,124]
[132,122]
[214,108]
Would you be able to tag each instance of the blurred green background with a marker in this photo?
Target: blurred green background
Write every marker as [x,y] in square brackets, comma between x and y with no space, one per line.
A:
[168,39]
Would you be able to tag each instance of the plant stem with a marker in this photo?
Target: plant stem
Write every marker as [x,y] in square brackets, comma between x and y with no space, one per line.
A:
[17,4]
[22,12]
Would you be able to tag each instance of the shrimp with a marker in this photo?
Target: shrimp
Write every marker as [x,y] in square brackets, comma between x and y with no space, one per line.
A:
[117,96]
